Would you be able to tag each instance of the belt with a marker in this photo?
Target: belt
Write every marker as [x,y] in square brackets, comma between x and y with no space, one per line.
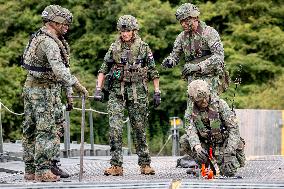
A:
[39,85]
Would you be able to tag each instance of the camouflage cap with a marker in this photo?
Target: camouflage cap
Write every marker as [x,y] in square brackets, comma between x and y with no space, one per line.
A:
[198,89]
[187,10]
[127,22]
[57,14]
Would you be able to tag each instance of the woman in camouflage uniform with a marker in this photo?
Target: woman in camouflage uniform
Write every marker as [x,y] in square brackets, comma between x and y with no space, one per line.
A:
[129,64]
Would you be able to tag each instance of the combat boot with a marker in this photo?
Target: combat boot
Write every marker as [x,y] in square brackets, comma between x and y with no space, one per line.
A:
[48,176]
[29,176]
[114,171]
[57,171]
[147,170]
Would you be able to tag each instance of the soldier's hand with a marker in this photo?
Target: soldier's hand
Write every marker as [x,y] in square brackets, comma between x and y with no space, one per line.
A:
[189,68]
[157,98]
[98,94]
[168,63]
[69,106]
[228,166]
[81,89]
[202,155]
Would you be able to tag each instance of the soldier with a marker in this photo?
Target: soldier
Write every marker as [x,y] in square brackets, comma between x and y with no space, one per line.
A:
[202,48]
[129,64]
[213,124]
[46,58]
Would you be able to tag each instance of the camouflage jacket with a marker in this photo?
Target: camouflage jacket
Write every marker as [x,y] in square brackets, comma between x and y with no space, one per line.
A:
[47,60]
[215,125]
[203,47]
[129,64]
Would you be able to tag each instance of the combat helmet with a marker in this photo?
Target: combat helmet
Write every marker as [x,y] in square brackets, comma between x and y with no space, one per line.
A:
[127,22]
[198,89]
[187,10]
[57,14]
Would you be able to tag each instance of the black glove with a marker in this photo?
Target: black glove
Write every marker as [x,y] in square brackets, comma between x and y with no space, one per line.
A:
[202,155]
[167,63]
[98,95]
[228,167]
[188,68]
[157,99]
[69,105]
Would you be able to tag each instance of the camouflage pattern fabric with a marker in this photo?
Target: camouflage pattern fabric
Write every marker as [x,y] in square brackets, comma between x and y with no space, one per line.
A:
[57,14]
[139,58]
[42,101]
[215,127]
[127,23]
[187,10]
[195,48]
[138,115]
[40,139]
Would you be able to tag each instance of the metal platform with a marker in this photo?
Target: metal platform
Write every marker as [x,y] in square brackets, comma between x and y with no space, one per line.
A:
[259,172]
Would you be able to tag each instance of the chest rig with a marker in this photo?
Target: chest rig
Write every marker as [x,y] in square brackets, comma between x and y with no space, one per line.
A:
[195,46]
[210,126]
[35,60]
[130,66]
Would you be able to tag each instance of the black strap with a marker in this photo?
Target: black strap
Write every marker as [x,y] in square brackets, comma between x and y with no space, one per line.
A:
[36,68]
[203,53]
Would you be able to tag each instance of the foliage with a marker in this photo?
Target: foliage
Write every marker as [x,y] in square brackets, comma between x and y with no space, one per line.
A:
[251,30]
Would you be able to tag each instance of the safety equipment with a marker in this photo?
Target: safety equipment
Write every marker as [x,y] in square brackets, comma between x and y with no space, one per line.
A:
[114,170]
[147,170]
[157,99]
[198,89]
[168,62]
[202,155]
[81,89]
[57,14]
[187,10]
[189,68]
[127,23]
[98,94]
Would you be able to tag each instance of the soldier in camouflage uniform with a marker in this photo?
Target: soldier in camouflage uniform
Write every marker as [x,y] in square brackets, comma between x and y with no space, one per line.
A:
[202,49]
[213,124]
[129,64]
[46,58]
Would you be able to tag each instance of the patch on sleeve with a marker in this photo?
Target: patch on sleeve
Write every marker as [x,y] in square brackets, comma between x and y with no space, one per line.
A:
[150,56]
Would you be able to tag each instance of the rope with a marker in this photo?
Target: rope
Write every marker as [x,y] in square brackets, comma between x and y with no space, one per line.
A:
[1,104]
[90,109]
[164,145]
[105,113]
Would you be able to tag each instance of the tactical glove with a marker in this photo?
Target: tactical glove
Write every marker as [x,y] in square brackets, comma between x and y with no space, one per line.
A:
[69,105]
[81,89]
[168,63]
[98,94]
[228,167]
[189,68]
[157,99]
[202,155]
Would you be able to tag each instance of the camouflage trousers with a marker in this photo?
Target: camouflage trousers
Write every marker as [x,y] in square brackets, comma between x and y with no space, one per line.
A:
[43,113]
[138,115]
[237,160]
[214,85]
